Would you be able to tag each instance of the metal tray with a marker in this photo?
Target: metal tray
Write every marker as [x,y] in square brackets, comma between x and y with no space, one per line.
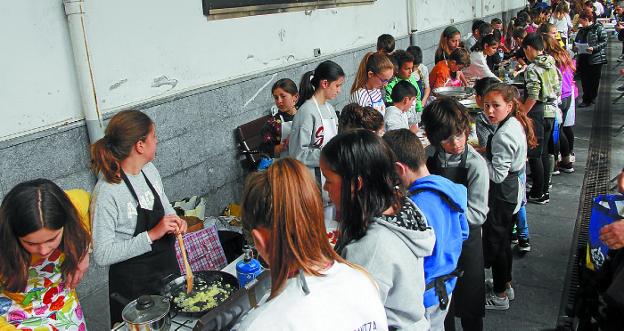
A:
[454,92]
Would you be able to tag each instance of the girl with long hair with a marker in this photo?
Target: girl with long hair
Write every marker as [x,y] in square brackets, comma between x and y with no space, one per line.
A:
[315,122]
[485,47]
[277,129]
[134,225]
[283,213]
[567,67]
[561,20]
[44,247]
[450,40]
[380,229]
[374,73]
[506,154]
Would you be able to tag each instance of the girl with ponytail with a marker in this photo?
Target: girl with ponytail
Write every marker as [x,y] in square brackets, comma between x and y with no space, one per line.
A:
[506,153]
[134,225]
[374,73]
[283,213]
[315,122]
[486,46]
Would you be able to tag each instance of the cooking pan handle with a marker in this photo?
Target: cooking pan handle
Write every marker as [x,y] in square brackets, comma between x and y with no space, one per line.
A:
[119,298]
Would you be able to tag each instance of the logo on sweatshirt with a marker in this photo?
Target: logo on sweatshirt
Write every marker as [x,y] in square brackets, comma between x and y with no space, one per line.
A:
[319,137]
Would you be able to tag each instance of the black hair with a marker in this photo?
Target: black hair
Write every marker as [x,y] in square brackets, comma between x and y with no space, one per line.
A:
[535,40]
[363,161]
[485,29]
[443,118]
[353,116]
[476,24]
[496,20]
[406,147]
[311,80]
[401,90]
[489,39]
[416,53]
[385,42]
[498,34]
[524,16]
[482,85]
[285,84]
[519,32]
[401,57]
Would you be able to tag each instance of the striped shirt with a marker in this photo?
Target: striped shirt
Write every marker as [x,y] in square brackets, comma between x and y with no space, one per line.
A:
[369,98]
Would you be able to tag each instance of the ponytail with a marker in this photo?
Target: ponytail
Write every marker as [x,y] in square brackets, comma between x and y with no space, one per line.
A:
[311,80]
[124,130]
[373,62]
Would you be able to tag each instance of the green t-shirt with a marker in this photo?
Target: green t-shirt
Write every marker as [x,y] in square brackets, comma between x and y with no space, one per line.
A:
[418,107]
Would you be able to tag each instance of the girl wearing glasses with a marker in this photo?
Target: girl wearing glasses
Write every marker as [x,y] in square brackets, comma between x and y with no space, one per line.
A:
[447,126]
[374,73]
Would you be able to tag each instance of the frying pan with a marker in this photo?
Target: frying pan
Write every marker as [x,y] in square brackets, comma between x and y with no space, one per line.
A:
[178,285]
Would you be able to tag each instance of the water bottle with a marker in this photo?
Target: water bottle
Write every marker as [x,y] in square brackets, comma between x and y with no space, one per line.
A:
[247,269]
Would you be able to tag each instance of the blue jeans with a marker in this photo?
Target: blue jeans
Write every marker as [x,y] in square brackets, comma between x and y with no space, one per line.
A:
[521,223]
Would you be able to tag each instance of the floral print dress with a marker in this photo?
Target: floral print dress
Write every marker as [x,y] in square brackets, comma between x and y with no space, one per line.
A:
[46,304]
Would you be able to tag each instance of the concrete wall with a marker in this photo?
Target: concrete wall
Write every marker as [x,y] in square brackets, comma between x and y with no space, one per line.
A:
[42,134]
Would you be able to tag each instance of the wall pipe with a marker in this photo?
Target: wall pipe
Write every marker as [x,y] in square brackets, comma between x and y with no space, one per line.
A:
[412,24]
[74,10]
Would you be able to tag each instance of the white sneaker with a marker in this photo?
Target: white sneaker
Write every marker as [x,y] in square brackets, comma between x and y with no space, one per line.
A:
[489,289]
[494,302]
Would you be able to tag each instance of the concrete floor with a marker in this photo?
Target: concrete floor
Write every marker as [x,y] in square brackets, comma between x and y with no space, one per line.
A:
[539,275]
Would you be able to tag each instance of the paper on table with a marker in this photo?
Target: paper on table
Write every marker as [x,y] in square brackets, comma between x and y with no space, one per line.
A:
[582,48]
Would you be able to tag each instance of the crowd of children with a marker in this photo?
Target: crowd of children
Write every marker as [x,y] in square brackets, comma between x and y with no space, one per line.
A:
[418,225]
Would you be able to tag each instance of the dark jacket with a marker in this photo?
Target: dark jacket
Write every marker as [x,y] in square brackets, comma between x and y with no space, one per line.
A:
[596,36]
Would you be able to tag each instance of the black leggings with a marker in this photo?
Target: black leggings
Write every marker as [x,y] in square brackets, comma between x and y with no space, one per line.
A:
[497,242]
[566,133]
[540,161]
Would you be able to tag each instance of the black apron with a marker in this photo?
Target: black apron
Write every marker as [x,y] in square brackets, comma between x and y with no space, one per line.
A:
[143,274]
[469,293]
[507,190]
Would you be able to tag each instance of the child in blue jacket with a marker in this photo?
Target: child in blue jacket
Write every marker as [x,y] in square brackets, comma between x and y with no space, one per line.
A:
[444,204]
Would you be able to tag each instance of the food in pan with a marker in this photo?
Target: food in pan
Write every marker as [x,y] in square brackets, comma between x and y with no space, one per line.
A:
[203,297]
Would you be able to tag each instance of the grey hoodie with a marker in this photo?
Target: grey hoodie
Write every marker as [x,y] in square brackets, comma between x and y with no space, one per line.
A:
[478,182]
[393,252]
[308,134]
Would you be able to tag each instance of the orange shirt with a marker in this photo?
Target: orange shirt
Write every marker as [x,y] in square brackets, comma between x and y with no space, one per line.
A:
[439,75]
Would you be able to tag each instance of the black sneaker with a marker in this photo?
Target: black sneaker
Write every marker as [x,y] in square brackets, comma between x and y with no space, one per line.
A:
[620,88]
[544,199]
[568,168]
[524,245]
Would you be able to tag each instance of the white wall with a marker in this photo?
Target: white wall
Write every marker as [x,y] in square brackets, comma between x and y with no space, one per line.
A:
[37,85]
[134,43]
